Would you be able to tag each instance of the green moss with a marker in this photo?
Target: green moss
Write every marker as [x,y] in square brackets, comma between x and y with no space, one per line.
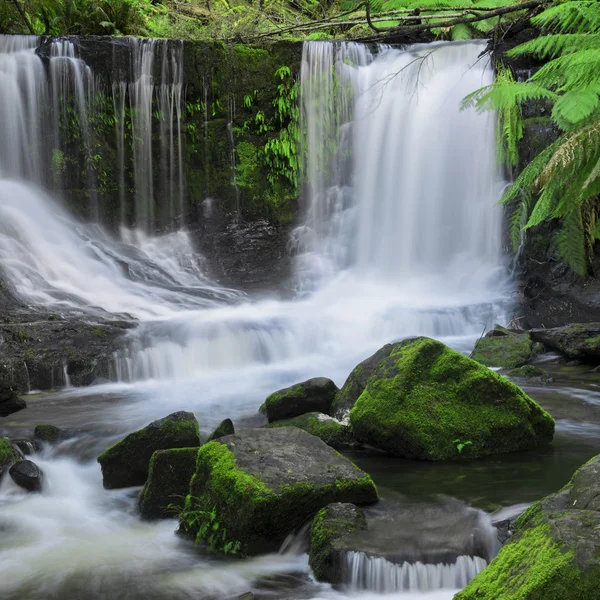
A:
[331,431]
[7,453]
[535,565]
[425,396]
[527,371]
[276,397]
[252,513]
[505,351]
[47,433]
[224,428]
[168,482]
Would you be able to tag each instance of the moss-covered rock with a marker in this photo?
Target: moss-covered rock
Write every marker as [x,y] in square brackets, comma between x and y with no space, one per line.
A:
[357,381]
[127,462]
[313,395]
[260,484]
[427,401]
[329,531]
[10,400]
[8,455]
[225,427]
[48,433]
[330,430]
[527,371]
[503,348]
[555,553]
[168,483]
[580,341]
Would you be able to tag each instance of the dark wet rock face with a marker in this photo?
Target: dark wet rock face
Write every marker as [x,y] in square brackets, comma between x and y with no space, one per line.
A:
[313,395]
[264,483]
[225,427]
[127,462]
[168,483]
[580,341]
[10,401]
[28,475]
[555,552]
[429,402]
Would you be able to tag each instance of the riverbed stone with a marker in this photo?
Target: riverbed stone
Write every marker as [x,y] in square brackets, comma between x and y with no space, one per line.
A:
[579,341]
[330,430]
[312,395]
[48,433]
[356,382]
[8,455]
[28,475]
[168,483]
[225,427]
[261,484]
[503,348]
[555,552]
[10,401]
[527,371]
[331,533]
[127,462]
[427,401]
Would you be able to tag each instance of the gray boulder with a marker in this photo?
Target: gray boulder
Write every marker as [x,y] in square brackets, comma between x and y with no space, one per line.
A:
[28,475]
[580,341]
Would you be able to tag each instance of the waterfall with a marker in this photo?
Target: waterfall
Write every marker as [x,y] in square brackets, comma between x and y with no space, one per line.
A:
[376,574]
[401,184]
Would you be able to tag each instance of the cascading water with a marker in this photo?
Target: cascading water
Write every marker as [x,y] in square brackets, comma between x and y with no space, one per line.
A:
[401,238]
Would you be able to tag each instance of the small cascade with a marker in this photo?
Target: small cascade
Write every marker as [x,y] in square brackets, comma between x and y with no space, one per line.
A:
[376,574]
[119,96]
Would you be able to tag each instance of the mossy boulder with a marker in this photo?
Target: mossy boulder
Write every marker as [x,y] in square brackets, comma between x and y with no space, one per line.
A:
[331,534]
[10,400]
[580,341]
[261,484]
[8,455]
[225,427]
[168,482]
[313,395]
[356,382]
[425,400]
[48,433]
[127,462]
[527,371]
[555,552]
[330,430]
[503,348]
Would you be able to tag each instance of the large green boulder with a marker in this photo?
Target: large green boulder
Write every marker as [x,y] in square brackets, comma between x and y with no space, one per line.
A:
[330,430]
[127,462]
[355,385]
[427,401]
[332,533]
[168,483]
[555,552]
[313,395]
[503,348]
[259,485]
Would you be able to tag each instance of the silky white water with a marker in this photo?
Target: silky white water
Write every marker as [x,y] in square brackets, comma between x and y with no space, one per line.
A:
[400,237]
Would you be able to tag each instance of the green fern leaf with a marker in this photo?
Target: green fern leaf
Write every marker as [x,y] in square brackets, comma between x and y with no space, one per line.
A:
[462,31]
[575,106]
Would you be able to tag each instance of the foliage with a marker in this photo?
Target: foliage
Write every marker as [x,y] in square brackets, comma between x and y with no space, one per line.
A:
[565,177]
[460,445]
[207,527]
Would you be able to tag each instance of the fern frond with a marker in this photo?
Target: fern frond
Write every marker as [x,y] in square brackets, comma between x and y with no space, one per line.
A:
[593,176]
[574,16]
[572,71]
[575,106]
[551,46]
[462,31]
[504,93]
[571,243]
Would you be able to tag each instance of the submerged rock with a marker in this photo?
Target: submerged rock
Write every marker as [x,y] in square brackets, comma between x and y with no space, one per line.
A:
[330,534]
[225,427]
[330,430]
[261,484]
[527,371]
[8,455]
[355,385]
[578,342]
[10,401]
[503,348]
[168,483]
[48,433]
[28,475]
[427,401]
[555,552]
[127,462]
[24,446]
[313,395]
